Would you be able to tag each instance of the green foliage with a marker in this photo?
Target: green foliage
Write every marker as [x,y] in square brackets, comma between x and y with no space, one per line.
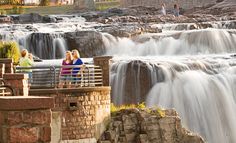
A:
[131,106]
[101,6]
[157,111]
[44,2]
[10,50]
[17,10]
[3,12]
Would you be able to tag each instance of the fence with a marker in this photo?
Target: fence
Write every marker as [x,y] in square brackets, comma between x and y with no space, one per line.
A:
[63,76]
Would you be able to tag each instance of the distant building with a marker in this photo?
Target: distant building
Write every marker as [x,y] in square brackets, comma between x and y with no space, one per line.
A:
[31,2]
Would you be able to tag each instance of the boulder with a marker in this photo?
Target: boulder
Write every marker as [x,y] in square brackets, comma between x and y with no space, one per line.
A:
[89,43]
[30,18]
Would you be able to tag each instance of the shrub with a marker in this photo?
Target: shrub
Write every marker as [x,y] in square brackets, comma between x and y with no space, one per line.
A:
[44,3]
[10,50]
[3,12]
[157,111]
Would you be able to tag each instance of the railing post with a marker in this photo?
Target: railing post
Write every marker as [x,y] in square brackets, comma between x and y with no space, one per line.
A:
[19,82]
[104,63]
[8,65]
[2,69]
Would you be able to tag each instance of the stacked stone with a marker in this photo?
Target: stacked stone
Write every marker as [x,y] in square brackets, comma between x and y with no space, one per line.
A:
[80,113]
[8,65]
[25,119]
[147,126]
[104,63]
[2,70]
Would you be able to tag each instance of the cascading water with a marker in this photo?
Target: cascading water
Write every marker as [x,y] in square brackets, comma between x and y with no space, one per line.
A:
[194,73]
[205,102]
[206,41]
[45,41]
[46,45]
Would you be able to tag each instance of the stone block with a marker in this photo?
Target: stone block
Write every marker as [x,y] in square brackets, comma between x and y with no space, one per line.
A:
[15,76]
[13,118]
[45,134]
[29,102]
[23,134]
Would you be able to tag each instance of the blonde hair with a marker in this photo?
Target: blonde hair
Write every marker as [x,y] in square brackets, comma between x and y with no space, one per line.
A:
[24,53]
[75,54]
[70,55]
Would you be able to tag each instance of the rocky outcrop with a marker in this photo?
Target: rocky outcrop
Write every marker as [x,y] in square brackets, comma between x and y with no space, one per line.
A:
[89,43]
[5,19]
[34,18]
[129,30]
[147,126]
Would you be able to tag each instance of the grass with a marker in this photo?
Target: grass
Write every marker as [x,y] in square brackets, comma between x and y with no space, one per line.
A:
[44,10]
[100,6]
[57,9]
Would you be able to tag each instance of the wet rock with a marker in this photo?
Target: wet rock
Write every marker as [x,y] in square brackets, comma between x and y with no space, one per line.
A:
[49,19]
[5,19]
[129,30]
[89,43]
[146,126]
[31,28]
[30,18]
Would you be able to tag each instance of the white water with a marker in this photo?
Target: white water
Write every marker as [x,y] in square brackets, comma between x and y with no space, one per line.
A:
[192,71]
[192,42]
[44,40]
[200,88]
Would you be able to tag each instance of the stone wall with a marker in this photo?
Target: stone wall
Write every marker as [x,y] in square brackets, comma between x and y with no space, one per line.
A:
[186,4]
[80,114]
[25,119]
[147,126]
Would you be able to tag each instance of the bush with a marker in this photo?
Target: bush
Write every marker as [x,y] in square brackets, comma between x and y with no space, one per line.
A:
[44,3]
[3,12]
[10,50]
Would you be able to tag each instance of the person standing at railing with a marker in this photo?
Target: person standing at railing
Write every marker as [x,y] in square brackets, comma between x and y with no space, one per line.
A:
[76,61]
[66,72]
[27,61]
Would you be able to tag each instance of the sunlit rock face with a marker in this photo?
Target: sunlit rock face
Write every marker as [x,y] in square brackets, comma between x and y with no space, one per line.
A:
[148,126]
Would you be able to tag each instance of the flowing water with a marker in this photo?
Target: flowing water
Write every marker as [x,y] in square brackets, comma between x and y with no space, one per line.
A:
[193,71]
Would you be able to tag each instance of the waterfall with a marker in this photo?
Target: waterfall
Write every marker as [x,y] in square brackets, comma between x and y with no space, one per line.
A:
[192,42]
[206,103]
[192,71]
[46,45]
[200,88]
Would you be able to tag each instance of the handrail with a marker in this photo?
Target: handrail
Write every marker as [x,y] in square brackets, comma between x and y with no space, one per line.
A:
[72,75]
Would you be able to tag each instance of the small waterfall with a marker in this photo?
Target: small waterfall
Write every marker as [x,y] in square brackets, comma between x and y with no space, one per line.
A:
[46,45]
[192,42]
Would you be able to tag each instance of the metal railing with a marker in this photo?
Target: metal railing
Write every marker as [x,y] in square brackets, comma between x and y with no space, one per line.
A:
[63,76]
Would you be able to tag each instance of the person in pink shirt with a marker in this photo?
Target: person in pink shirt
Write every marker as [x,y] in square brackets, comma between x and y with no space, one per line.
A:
[65,75]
